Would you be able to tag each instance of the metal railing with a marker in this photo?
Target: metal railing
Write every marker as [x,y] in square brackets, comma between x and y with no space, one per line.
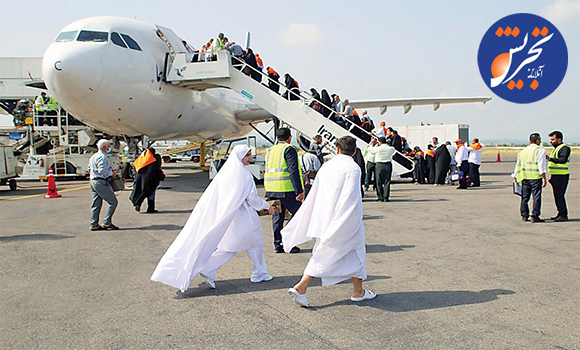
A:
[305,99]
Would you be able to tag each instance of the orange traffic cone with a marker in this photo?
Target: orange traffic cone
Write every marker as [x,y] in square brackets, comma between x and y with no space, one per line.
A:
[51,192]
[498,159]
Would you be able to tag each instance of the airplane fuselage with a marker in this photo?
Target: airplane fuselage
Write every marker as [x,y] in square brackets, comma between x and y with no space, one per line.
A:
[120,90]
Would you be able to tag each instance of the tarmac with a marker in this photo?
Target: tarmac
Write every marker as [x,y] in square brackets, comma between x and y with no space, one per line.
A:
[453,269]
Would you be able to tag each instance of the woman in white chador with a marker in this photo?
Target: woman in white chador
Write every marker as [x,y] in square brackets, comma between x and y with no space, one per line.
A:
[225,218]
[332,214]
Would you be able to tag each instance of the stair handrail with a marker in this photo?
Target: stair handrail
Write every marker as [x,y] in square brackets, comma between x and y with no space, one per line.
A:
[350,128]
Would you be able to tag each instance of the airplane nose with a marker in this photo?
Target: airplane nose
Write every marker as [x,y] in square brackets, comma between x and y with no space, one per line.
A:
[74,71]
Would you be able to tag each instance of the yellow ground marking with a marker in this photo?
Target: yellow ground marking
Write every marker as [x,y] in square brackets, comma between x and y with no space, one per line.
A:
[39,195]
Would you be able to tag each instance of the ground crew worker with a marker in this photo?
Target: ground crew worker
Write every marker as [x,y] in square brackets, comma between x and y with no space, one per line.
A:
[383,169]
[530,172]
[40,101]
[370,167]
[217,44]
[283,181]
[558,168]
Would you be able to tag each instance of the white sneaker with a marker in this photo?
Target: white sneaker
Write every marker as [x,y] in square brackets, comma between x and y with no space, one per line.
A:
[265,279]
[298,298]
[208,280]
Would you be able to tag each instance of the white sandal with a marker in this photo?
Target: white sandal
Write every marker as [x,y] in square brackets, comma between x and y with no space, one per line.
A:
[369,294]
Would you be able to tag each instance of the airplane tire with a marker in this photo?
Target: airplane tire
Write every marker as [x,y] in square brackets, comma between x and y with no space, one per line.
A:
[12,184]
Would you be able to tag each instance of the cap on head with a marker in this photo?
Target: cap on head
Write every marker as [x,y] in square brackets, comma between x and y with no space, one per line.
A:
[458,141]
[383,123]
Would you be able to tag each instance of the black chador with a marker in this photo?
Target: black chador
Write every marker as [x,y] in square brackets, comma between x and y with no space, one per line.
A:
[325,99]
[442,161]
[146,181]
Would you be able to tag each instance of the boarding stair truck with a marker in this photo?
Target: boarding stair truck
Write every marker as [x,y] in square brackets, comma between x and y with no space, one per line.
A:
[71,145]
[257,165]
[8,166]
[296,114]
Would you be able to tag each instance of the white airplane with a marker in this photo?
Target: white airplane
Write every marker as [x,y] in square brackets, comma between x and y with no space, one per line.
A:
[109,72]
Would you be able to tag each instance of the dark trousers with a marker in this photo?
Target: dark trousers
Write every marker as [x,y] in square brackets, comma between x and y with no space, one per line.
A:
[464,167]
[278,219]
[369,175]
[531,188]
[474,174]
[559,184]
[383,173]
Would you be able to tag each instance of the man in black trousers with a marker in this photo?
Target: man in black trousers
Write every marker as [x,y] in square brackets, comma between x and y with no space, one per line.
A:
[283,181]
[559,170]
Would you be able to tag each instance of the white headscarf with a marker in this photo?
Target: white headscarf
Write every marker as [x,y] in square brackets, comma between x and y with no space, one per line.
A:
[207,223]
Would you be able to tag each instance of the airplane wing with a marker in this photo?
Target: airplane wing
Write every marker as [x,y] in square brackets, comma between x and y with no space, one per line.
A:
[409,103]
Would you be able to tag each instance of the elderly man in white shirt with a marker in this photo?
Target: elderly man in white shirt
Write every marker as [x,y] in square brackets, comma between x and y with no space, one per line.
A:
[310,166]
[101,171]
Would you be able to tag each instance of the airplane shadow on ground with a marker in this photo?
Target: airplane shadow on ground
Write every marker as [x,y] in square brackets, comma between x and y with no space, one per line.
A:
[427,300]
[243,285]
[33,237]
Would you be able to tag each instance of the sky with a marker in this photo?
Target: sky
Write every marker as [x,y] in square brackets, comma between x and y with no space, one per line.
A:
[358,49]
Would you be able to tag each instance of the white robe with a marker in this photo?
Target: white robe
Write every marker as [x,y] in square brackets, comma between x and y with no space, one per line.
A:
[332,213]
[224,216]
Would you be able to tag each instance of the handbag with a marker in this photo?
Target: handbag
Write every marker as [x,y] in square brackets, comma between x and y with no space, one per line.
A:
[517,188]
[116,183]
[456,176]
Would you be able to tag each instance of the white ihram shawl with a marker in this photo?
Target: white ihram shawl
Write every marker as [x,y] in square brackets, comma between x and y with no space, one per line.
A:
[332,213]
[224,216]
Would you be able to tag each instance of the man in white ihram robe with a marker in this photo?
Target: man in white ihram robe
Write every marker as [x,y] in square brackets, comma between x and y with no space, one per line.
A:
[332,214]
[225,218]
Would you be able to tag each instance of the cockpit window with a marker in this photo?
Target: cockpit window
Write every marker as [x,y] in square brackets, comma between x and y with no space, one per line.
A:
[132,43]
[89,35]
[66,36]
[116,39]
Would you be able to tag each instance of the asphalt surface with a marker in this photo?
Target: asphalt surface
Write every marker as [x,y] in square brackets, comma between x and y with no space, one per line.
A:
[453,269]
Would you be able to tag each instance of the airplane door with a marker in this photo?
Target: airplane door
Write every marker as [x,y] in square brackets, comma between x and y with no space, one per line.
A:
[173,42]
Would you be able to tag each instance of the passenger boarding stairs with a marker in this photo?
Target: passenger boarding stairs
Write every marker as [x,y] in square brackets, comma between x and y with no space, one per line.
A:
[297,114]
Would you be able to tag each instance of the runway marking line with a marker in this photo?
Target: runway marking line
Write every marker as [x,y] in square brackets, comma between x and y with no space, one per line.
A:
[38,195]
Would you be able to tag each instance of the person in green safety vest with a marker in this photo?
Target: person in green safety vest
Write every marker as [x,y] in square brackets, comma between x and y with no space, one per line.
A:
[558,168]
[283,181]
[52,104]
[217,44]
[530,172]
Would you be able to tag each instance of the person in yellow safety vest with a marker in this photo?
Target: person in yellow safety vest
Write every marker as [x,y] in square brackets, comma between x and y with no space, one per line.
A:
[283,181]
[40,102]
[52,104]
[530,172]
[217,44]
[558,168]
